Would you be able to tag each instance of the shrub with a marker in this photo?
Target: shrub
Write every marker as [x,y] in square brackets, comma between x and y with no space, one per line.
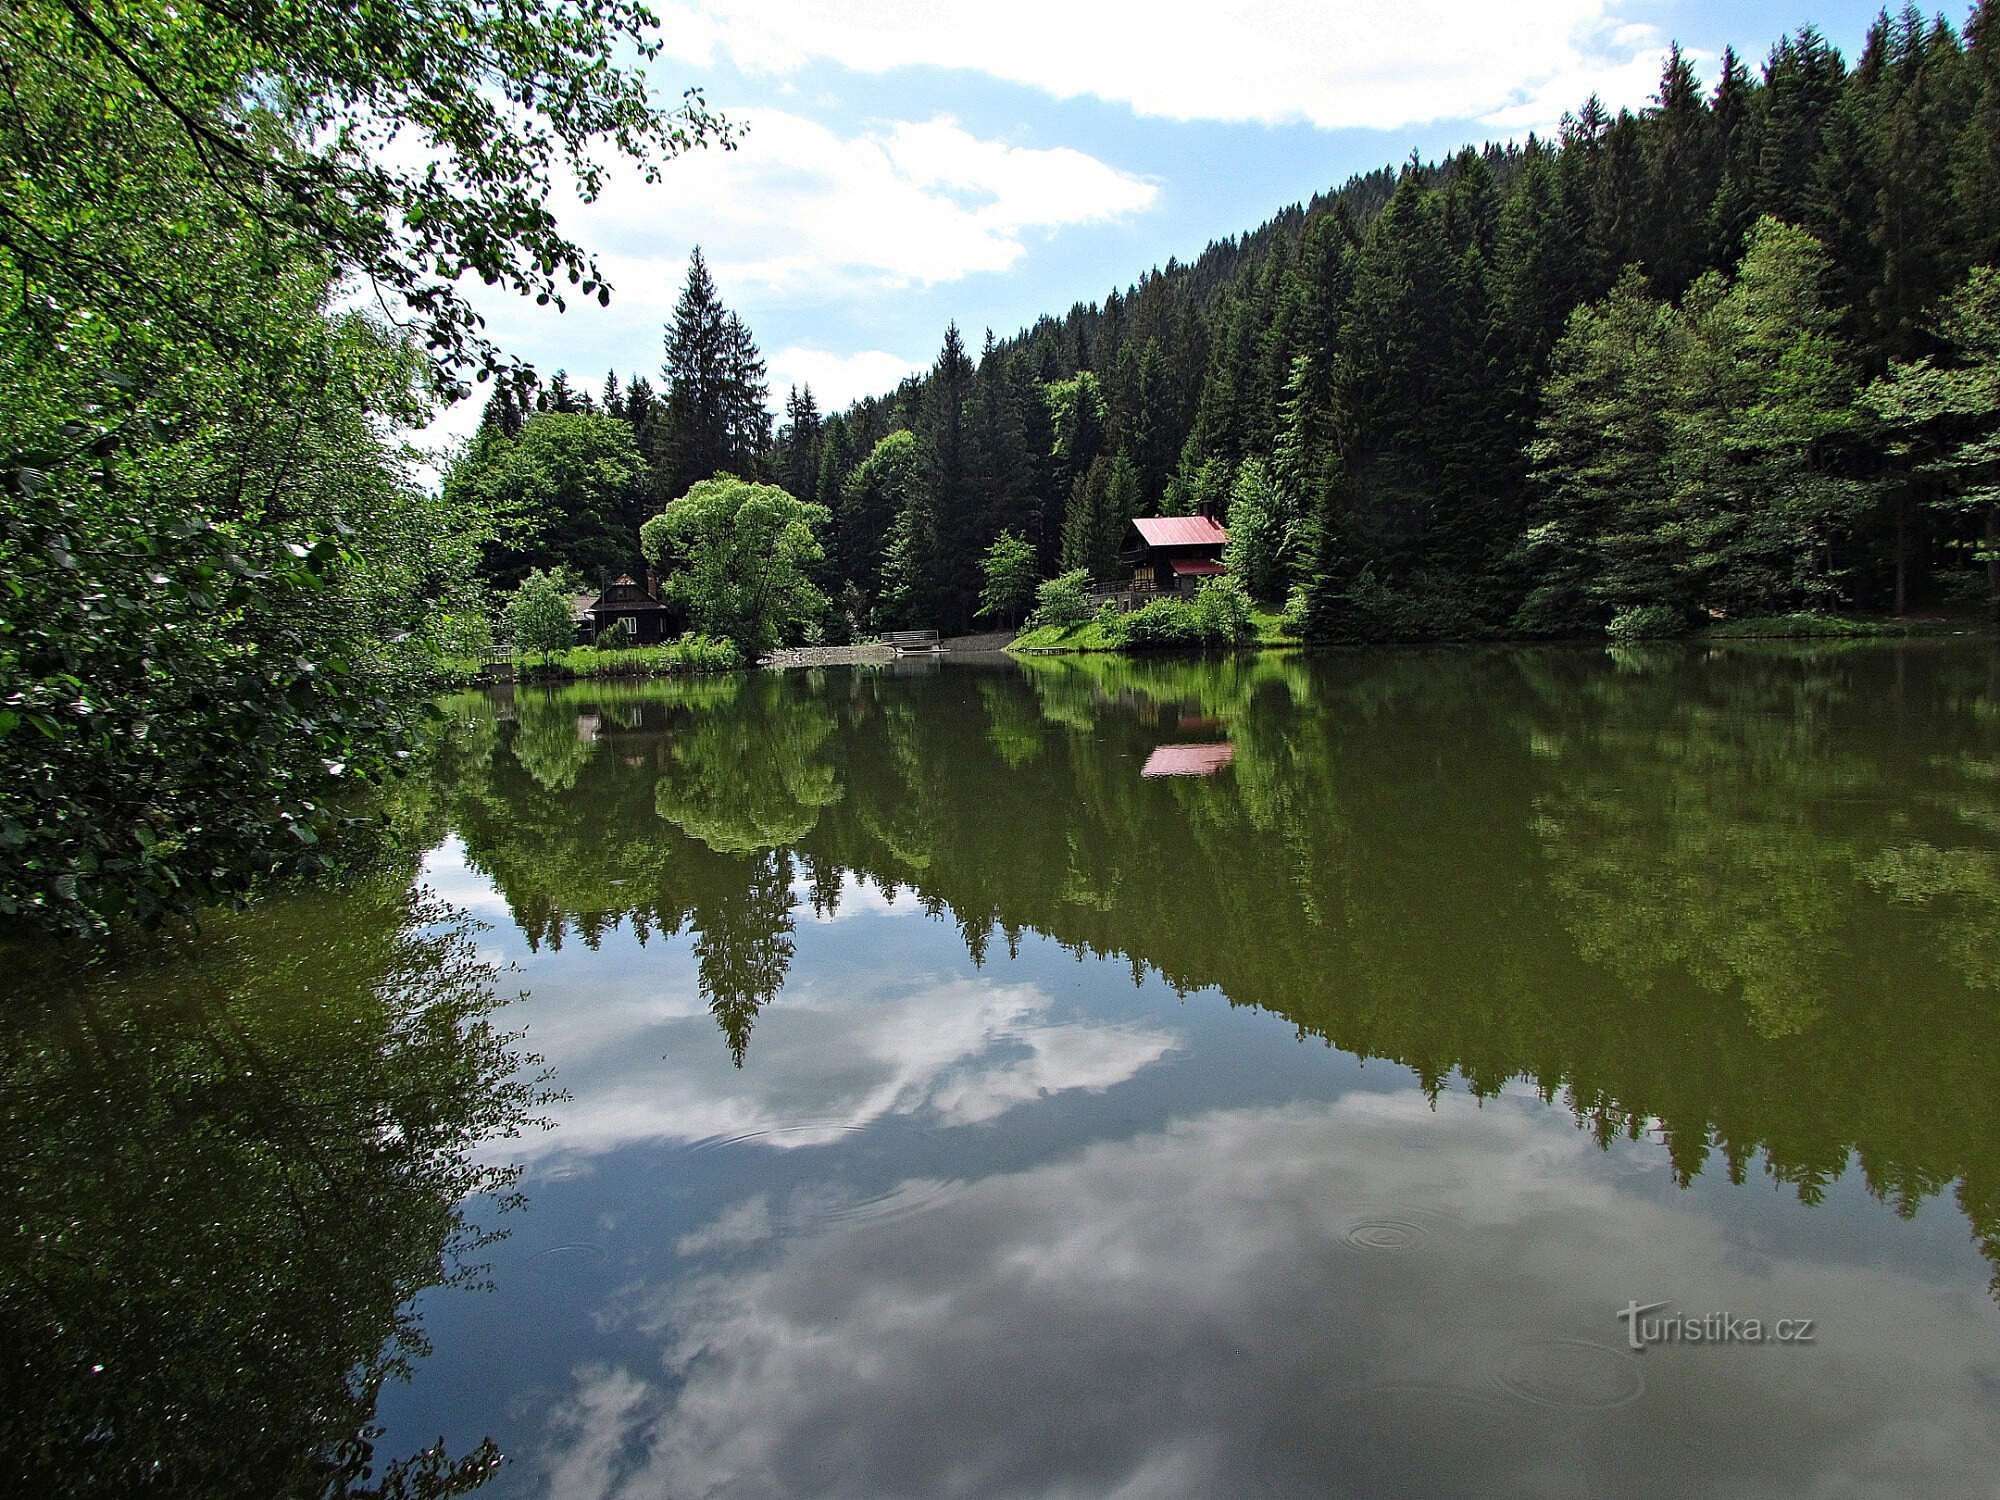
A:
[1222,612]
[1293,620]
[538,615]
[614,637]
[1063,599]
[1162,624]
[1646,622]
[461,633]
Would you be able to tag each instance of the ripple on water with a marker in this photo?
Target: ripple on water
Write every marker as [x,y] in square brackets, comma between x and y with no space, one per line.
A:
[810,1127]
[1394,1229]
[905,1198]
[560,1258]
[1571,1375]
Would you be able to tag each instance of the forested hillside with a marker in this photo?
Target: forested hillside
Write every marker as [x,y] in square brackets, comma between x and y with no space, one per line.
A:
[1721,356]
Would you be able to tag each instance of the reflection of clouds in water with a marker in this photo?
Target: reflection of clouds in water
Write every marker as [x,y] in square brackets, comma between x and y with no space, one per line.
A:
[826,1061]
[1185,1313]
[857,898]
[446,872]
[736,1228]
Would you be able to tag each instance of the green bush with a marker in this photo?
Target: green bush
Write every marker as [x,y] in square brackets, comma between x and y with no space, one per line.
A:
[1646,622]
[692,653]
[1063,599]
[1218,615]
[1222,611]
[538,615]
[1293,620]
[1162,624]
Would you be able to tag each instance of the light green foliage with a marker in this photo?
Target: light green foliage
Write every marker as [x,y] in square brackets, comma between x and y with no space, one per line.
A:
[1222,611]
[1762,382]
[1645,622]
[1009,569]
[690,655]
[1942,419]
[880,488]
[219,583]
[1293,619]
[1679,458]
[1077,413]
[739,557]
[1063,599]
[1263,542]
[1218,615]
[567,492]
[139,140]
[539,617]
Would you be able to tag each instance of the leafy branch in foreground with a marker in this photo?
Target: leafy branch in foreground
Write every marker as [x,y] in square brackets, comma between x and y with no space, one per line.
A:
[411,145]
[218,584]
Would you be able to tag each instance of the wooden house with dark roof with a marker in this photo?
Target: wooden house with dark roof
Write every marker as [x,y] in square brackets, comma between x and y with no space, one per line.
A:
[1172,554]
[648,620]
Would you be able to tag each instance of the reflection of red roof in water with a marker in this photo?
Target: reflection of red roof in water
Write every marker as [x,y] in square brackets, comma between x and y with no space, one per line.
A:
[1180,531]
[1188,760]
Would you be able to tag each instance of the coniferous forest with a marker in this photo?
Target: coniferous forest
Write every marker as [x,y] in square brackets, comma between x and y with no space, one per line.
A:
[1735,354]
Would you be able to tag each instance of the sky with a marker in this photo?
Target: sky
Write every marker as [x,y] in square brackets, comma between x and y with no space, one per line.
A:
[908,164]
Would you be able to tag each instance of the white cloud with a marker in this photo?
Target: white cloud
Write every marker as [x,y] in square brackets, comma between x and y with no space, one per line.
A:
[1374,1296]
[837,380]
[799,218]
[1358,63]
[643,1060]
[804,211]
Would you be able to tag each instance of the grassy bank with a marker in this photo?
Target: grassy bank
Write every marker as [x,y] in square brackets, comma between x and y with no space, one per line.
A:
[1094,634]
[1820,627]
[690,654]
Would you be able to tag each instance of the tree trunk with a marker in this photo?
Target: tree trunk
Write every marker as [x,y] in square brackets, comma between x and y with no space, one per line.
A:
[1902,551]
[1993,561]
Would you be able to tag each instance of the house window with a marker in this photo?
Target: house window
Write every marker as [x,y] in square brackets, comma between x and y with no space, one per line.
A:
[631,624]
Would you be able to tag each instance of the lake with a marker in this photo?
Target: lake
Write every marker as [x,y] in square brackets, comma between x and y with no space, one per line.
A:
[1557,1072]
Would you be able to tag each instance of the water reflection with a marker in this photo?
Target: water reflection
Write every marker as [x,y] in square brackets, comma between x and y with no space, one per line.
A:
[1008,1172]
[1279,1300]
[229,1167]
[1748,896]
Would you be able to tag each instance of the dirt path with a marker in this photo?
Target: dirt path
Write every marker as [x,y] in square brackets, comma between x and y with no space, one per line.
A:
[992,640]
[849,656]
[827,656]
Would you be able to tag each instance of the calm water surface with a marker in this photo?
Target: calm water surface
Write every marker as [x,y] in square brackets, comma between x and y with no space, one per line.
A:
[1075,1078]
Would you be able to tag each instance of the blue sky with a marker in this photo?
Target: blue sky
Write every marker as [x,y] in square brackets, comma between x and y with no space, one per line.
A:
[907,164]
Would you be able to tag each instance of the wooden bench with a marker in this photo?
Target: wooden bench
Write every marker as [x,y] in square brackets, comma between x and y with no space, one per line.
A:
[900,641]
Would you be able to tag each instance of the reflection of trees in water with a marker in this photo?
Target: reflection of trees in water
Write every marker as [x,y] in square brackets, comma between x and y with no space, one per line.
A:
[228,1172]
[738,793]
[743,946]
[1748,897]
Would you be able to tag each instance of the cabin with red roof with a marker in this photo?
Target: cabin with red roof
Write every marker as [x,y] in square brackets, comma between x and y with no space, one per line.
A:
[1172,554]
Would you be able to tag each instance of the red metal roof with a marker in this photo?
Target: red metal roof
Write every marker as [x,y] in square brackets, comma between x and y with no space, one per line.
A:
[1188,760]
[1195,567]
[1180,531]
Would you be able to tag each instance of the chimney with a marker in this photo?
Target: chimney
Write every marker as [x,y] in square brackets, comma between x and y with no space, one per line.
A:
[652,584]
